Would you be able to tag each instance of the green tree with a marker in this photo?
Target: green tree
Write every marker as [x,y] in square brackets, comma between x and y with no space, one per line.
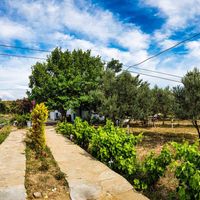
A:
[191,82]
[123,96]
[20,106]
[127,90]
[144,102]
[3,107]
[163,101]
[66,80]
[108,96]
[114,65]
[179,102]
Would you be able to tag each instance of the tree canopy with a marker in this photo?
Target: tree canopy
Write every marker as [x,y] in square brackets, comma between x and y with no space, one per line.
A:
[67,80]
[191,82]
[77,80]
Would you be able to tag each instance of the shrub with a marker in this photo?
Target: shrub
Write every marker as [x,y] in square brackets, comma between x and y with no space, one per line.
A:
[109,144]
[152,168]
[59,176]
[188,170]
[39,116]
[114,147]
[21,120]
[65,128]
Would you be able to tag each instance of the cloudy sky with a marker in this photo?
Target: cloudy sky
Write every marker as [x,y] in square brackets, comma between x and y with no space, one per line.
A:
[128,30]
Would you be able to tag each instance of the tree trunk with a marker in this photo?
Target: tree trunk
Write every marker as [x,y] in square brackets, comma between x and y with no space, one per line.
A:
[195,124]
[80,112]
[63,114]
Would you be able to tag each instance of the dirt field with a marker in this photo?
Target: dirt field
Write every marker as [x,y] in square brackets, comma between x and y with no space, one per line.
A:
[44,176]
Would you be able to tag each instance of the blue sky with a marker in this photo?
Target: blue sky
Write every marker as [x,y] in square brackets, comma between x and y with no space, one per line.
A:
[126,30]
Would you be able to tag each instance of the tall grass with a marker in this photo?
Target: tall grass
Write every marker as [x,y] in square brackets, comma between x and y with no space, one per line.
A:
[4,132]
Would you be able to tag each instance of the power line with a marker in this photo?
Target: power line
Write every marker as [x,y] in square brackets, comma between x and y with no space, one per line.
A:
[161,52]
[24,48]
[21,56]
[158,72]
[154,76]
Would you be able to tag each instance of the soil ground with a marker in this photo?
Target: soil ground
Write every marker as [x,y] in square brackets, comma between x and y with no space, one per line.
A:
[44,176]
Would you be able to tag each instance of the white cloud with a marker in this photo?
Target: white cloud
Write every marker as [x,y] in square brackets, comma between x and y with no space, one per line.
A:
[12,30]
[95,24]
[180,13]
[134,40]
[56,21]
[14,77]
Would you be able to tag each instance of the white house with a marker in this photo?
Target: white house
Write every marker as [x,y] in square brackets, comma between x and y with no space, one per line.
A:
[54,115]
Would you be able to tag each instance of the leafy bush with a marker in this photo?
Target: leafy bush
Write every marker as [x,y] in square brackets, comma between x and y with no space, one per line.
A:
[20,120]
[39,116]
[109,144]
[188,170]
[65,128]
[83,132]
[114,147]
[152,168]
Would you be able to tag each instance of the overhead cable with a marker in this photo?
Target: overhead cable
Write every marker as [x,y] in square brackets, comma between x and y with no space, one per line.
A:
[163,51]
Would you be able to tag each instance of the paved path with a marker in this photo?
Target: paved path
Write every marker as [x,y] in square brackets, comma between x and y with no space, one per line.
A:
[88,178]
[12,167]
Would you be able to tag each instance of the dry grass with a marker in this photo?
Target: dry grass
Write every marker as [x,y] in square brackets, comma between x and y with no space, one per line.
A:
[44,176]
[166,130]
[4,132]
[183,131]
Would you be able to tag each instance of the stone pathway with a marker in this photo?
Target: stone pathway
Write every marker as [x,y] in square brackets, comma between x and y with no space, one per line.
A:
[88,178]
[12,167]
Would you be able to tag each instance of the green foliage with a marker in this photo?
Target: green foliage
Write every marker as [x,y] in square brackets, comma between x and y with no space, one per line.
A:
[114,147]
[81,131]
[67,80]
[114,65]
[20,106]
[188,170]
[4,121]
[124,96]
[4,132]
[109,144]
[65,128]
[143,104]
[21,120]
[3,107]
[39,116]
[163,101]
[152,168]
[179,105]
[191,82]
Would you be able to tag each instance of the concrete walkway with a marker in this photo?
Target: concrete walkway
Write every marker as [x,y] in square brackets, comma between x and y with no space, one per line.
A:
[12,167]
[88,178]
